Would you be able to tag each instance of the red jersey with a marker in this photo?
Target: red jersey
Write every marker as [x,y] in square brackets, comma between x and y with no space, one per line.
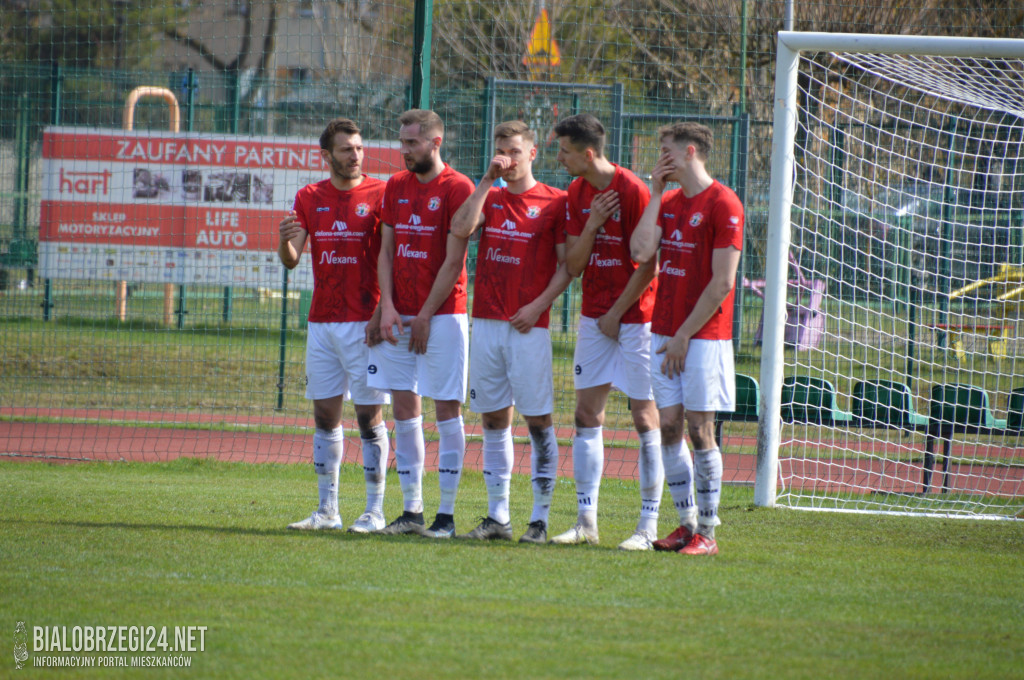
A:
[421,215]
[610,266]
[517,258]
[344,242]
[691,228]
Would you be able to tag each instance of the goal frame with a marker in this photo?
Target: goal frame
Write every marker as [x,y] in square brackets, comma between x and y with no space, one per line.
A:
[781,188]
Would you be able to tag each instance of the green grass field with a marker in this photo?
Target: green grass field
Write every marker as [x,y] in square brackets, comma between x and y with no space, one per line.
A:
[792,594]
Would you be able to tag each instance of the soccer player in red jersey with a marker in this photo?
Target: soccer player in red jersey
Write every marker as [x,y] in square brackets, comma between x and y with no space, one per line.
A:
[422,274]
[520,271]
[340,217]
[698,229]
[613,346]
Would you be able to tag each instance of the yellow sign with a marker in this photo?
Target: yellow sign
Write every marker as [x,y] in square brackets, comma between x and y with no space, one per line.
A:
[542,49]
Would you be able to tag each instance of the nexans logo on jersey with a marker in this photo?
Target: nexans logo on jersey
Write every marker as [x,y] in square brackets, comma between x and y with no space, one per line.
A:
[421,213]
[344,241]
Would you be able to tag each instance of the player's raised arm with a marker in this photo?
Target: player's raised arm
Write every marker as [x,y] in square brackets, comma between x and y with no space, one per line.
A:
[469,217]
[579,248]
[293,240]
[643,244]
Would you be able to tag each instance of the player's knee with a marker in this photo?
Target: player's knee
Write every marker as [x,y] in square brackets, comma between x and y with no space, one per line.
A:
[671,433]
[702,435]
[537,425]
[325,422]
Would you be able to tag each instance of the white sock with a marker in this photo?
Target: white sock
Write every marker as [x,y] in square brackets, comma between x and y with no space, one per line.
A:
[375,465]
[587,466]
[498,455]
[328,451]
[679,475]
[652,480]
[451,451]
[409,455]
[543,472]
[708,467]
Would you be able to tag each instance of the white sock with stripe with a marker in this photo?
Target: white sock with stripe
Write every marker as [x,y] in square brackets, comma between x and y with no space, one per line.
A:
[679,476]
[498,455]
[652,480]
[375,465]
[409,455]
[328,451]
[708,469]
[587,466]
[543,472]
[451,451]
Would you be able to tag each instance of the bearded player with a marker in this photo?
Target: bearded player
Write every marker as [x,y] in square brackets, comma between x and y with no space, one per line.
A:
[422,274]
[340,217]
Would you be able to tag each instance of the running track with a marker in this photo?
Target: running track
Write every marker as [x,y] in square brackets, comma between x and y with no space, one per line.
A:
[84,435]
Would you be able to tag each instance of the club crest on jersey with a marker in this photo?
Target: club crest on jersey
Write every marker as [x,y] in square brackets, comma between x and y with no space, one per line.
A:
[434,203]
[533,211]
[617,217]
[696,219]
[363,209]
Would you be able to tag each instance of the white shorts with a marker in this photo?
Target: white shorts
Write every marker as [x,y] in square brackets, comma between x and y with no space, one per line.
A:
[625,363]
[509,368]
[708,381]
[439,374]
[336,360]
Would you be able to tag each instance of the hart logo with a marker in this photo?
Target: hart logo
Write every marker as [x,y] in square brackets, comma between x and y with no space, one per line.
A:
[333,258]
[668,216]
[323,208]
[533,211]
[405,251]
[677,235]
[434,203]
[339,225]
[363,209]
[87,183]
[696,219]
[415,220]
[508,225]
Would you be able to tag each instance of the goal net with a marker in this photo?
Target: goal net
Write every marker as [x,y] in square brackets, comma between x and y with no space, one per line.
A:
[893,365]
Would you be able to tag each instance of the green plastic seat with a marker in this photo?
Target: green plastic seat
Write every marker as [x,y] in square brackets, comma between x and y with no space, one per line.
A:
[886,403]
[958,406]
[955,407]
[1015,410]
[806,399]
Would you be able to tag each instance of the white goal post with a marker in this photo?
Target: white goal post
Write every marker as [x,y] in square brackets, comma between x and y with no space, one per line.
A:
[897,172]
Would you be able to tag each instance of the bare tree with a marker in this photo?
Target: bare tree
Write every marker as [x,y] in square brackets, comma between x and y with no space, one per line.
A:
[265,13]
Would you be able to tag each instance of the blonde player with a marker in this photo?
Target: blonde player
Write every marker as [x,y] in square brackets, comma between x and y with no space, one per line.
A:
[520,272]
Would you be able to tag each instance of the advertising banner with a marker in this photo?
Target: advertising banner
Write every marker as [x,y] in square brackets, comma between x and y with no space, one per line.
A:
[181,208]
